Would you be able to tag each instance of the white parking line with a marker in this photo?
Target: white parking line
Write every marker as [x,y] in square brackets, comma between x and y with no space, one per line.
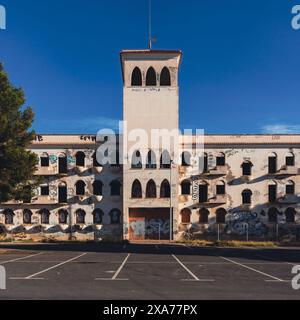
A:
[26,257]
[255,270]
[195,278]
[31,277]
[115,276]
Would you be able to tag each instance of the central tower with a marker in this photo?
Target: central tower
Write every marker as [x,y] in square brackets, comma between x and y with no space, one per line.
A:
[150,102]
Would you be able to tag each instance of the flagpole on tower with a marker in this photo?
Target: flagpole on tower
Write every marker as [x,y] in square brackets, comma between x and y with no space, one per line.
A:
[150,24]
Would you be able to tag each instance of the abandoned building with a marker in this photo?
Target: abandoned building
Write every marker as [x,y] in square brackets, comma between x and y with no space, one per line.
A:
[248,184]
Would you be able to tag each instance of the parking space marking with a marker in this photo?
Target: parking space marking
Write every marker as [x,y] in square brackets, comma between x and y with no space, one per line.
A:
[195,278]
[255,270]
[26,257]
[31,277]
[115,276]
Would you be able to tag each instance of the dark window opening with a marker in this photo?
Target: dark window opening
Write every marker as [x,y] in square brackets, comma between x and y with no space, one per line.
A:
[45,215]
[185,188]
[165,77]
[205,163]
[97,188]
[80,159]
[221,216]
[62,194]
[45,161]
[203,193]
[62,165]
[80,188]
[247,168]
[95,161]
[151,189]
[98,216]
[136,78]
[221,190]
[27,214]
[272,193]
[62,216]
[272,165]
[9,216]
[136,190]
[151,78]
[220,161]
[80,216]
[204,213]
[165,190]
[247,196]
[290,161]
[290,189]
[44,190]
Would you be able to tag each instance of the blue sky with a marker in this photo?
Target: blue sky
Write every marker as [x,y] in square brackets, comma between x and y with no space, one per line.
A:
[240,69]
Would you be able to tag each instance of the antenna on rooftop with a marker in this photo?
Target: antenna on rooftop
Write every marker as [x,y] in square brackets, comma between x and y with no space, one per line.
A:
[151,39]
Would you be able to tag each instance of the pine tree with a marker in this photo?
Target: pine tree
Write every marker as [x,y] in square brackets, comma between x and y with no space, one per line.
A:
[17,163]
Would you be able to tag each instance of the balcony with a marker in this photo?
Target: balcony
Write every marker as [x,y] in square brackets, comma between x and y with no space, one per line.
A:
[46,171]
[43,200]
[217,171]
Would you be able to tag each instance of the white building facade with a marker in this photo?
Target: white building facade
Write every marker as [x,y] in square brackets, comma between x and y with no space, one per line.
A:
[246,185]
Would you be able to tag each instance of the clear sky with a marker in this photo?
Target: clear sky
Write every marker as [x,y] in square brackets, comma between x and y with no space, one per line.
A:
[240,71]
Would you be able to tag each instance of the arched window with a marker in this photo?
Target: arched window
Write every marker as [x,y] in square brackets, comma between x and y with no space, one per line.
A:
[136,77]
[151,78]
[290,188]
[80,188]
[272,163]
[247,196]
[290,215]
[220,188]
[115,188]
[136,190]
[80,159]
[203,192]
[272,191]
[165,77]
[205,163]
[80,216]
[151,189]
[273,215]
[151,160]
[221,216]
[185,159]
[221,160]
[290,159]
[136,162]
[185,215]
[27,214]
[62,216]
[97,188]
[62,193]
[115,216]
[95,161]
[9,216]
[62,164]
[44,160]
[165,160]
[247,168]
[203,216]
[185,187]
[165,190]
[45,216]
[98,216]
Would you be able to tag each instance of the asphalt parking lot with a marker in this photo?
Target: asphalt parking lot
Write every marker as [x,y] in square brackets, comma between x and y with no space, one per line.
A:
[139,271]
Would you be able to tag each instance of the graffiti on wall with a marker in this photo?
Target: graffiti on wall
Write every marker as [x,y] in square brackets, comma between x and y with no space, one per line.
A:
[53,158]
[150,226]
[240,222]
